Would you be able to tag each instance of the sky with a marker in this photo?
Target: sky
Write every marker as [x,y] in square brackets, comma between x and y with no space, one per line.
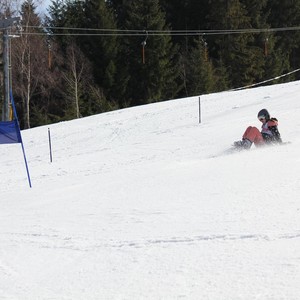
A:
[148,203]
[43,5]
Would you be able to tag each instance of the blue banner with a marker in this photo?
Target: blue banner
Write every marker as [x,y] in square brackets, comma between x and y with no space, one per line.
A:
[10,132]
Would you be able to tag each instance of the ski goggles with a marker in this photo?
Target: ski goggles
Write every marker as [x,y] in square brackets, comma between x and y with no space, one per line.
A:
[261,118]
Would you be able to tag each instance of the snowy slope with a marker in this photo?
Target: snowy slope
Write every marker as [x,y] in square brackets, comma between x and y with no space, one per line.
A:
[144,203]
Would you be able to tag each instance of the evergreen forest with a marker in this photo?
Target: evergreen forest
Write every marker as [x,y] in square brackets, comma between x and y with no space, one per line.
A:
[84,57]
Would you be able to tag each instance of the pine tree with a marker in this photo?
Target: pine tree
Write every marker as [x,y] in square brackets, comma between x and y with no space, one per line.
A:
[100,50]
[178,17]
[236,52]
[198,12]
[176,13]
[117,7]
[286,13]
[149,59]
[200,77]
[56,17]
[268,61]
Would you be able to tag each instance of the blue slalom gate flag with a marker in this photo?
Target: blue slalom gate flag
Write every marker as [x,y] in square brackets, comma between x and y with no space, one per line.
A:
[10,133]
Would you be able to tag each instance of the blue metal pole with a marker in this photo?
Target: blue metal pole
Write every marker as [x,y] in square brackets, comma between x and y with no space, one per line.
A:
[20,137]
[199,111]
[50,147]
[27,170]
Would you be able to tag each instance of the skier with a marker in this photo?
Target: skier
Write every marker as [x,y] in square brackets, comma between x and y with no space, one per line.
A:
[269,133]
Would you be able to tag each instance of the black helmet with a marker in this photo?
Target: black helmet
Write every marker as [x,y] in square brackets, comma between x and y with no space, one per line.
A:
[264,113]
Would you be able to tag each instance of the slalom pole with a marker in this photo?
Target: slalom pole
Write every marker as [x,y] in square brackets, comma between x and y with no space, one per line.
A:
[143,54]
[27,170]
[199,111]
[20,137]
[50,147]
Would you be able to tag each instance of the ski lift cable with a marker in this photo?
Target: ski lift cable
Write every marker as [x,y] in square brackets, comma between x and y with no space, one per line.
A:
[137,32]
[265,81]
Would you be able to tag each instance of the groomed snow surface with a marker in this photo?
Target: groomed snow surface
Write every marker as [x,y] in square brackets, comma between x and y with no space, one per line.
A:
[146,203]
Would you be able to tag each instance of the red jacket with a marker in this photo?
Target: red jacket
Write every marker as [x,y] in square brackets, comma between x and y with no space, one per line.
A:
[270,132]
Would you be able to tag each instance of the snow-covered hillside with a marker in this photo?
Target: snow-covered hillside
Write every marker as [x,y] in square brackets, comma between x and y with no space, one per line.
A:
[144,203]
